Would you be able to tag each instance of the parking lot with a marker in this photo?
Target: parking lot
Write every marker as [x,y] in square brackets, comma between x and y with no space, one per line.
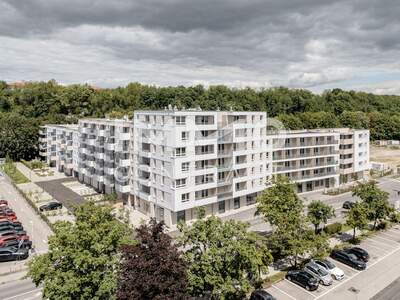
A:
[382,269]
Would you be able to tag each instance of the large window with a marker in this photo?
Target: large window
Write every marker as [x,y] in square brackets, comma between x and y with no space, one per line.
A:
[180,151]
[180,216]
[180,182]
[221,207]
[236,203]
[180,120]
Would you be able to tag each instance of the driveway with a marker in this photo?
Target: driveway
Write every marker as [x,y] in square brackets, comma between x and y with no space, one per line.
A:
[61,193]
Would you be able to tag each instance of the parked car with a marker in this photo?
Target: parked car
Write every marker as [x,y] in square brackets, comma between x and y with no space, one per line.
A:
[50,206]
[3,203]
[18,242]
[359,252]
[349,259]
[348,204]
[303,279]
[261,295]
[319,273]
[12,218]
[9,225]
[13,253]
[329,266]
[9,233]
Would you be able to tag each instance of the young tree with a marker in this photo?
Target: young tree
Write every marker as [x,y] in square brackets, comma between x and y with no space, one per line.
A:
[319,212]
[225,259]
[375,200]
[153,268]
[357,218]
[82,259]
[280,205]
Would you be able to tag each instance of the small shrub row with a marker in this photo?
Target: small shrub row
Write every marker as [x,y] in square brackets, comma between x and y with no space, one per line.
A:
[333,228]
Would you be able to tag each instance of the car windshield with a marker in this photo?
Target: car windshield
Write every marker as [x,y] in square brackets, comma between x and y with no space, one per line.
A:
[353,256]
[329,264]
[322,272]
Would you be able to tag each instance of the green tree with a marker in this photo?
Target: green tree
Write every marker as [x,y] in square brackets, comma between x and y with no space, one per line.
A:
[225,259]
[280,205]
[375,200]
[357,218]
[83,256]
[318,212]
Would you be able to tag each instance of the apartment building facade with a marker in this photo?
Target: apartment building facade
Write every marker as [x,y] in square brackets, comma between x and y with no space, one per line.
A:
[186,159]
[308,158]
[167,163]
[59,144]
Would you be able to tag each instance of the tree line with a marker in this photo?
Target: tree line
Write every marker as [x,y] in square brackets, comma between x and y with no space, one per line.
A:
[23,109]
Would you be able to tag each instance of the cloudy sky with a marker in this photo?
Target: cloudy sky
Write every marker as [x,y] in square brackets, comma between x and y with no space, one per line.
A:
[314,44]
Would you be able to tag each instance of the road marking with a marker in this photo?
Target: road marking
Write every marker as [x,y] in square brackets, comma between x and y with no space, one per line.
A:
[299,287]
[385,239]
[368,267]
[283,292]
[23,294]
[376,247]
[392,235]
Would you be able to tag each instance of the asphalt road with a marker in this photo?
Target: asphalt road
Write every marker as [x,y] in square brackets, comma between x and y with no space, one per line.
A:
[391,292]
[20,290]
[37,229]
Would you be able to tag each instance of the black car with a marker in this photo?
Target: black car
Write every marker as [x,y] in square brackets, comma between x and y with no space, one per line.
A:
[24,244]
[303,279]
[51,206]
[8,227]
[13,253]
[348,204]
[261,295]
[359,252]
[349,259]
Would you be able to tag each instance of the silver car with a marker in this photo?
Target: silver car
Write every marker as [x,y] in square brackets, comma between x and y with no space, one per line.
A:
[319,273]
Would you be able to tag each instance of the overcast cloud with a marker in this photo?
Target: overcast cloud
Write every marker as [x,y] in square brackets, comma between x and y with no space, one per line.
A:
[314,44]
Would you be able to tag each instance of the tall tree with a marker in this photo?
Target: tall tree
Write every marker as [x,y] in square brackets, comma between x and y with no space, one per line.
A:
[357,218]
[319,212]
[375,200]
[83,256]
[225,259]
[156,262]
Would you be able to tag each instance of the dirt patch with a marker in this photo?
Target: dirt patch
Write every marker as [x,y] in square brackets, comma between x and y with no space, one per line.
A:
[385,154]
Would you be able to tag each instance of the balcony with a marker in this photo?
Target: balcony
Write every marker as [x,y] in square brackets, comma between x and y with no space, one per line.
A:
[304,155]
[109,147]
[306,144]
[278,169]
[124,162]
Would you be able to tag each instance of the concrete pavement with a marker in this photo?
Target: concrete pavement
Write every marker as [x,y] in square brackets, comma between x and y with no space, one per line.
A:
[20,290]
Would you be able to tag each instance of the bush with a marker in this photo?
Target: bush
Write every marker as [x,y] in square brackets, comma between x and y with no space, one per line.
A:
[382,225]
[395,217]
[333,228]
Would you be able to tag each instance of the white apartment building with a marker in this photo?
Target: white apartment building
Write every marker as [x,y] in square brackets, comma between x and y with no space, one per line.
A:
[59,145]
[310,158]
[191,158]
[167,163]
[104,155]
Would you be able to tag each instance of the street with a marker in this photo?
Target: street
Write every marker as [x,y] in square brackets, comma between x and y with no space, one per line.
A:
[20,290]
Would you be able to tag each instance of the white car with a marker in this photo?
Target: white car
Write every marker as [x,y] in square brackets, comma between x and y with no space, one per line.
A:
[330,267]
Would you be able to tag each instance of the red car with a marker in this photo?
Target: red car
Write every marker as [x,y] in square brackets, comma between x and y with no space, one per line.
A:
[8,218]
[6,239]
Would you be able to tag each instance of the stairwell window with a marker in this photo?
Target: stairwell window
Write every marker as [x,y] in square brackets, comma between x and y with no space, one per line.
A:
[180,182]
[180,151]
[180,120]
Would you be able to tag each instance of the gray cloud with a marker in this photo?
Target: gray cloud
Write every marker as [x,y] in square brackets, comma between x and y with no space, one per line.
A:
[310,43]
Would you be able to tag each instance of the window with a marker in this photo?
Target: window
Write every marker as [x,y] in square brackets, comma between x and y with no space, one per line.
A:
[185,197]
[180,216]
[236,203]
[221,207]
[201,194]
[180,120]
[185,167]
[180,151]
[185,135]
[180,182]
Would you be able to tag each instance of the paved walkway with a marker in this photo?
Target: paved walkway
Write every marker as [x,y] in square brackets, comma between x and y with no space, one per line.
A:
[60,192]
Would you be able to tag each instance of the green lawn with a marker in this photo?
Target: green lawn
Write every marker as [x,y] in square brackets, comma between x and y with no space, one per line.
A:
[11,170]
